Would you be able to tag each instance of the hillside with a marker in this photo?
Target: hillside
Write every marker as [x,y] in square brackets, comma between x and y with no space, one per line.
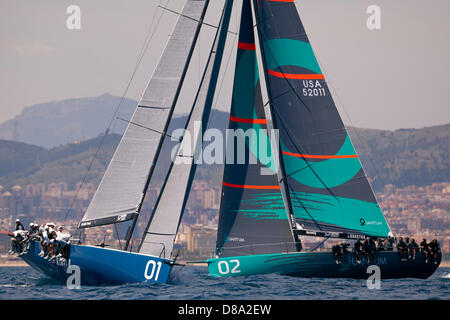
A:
[405,156]
[59,122]
[23,164]
[402,157]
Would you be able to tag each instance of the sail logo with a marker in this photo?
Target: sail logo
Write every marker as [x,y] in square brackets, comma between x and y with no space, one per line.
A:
[379,261]
[313,88]
[122,217]
[374,223]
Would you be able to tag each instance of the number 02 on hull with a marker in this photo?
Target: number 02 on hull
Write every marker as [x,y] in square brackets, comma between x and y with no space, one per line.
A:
[323,265]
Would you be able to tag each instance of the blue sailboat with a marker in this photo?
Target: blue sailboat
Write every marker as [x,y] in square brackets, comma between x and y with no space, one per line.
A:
[312,183]
[120,194]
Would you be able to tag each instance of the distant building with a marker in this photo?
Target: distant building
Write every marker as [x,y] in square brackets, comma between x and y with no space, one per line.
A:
[201,239]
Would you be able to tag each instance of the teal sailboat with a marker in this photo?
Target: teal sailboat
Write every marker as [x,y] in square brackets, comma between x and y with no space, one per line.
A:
[312,183]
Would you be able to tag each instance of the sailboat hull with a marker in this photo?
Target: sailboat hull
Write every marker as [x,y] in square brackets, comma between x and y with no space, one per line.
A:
[323,265]
[101,266]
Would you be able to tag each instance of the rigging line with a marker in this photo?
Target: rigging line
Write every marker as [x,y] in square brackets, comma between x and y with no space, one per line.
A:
[321,242]
[144,48]
[187,17]
[153,130]
[118,236]
[233,48]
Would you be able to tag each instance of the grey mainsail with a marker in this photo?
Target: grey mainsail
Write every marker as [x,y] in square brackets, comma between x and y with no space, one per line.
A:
[121,191]
[162,228]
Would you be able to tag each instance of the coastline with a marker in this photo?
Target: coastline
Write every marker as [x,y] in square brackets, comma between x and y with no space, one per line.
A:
[14,264]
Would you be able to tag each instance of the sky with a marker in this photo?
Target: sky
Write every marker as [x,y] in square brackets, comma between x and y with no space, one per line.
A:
[395,77]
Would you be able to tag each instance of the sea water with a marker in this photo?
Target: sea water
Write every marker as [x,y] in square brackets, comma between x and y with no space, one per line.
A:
[194,283]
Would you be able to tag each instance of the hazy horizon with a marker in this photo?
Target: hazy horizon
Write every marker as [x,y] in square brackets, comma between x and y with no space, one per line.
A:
[387,79]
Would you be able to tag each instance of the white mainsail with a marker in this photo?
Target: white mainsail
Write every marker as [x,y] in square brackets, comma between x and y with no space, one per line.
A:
[121,190]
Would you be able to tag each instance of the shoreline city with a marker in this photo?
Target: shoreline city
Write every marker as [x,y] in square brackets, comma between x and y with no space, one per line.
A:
[418,212]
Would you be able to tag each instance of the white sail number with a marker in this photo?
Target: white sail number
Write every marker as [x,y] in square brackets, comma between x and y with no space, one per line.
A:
[155,266]
[224,266]
[313,88]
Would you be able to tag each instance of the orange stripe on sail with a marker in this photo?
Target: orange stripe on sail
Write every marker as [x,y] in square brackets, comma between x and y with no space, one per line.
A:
[242,186]
[246,46]
[296,76]
[313,156]
[243,120]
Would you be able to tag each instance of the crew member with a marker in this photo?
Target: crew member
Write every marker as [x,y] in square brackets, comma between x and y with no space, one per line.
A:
[412,249]
[16,241]
[357,250]
[424,249]
[434,249]
[336,249]
[380,245]
[51,244]
[63,243]
[43,233]
[401,248]
[19,225]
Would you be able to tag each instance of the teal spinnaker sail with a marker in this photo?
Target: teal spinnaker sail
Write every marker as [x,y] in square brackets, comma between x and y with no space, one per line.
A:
[328,188]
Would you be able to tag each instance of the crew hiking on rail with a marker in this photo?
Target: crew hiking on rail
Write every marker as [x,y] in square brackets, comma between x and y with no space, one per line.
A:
[407,249]
[53,241]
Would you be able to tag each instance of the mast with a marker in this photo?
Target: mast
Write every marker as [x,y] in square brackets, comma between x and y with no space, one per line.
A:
[166,126]
[271,125]
[162,228]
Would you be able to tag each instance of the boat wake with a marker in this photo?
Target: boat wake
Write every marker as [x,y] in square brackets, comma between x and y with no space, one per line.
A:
[13,285]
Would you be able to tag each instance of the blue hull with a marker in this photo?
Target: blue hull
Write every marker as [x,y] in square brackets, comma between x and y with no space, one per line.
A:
[101,266]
